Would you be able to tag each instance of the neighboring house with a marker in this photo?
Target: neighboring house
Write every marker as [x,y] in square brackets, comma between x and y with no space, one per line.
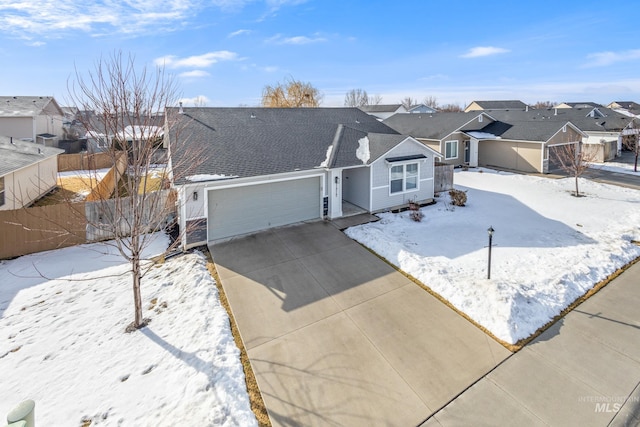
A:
[602,127]
[629,108]
[32,118]
[383,111]
[28,171]
[267,167]
[495,105]
[422,109]
[484,139]
[581,105]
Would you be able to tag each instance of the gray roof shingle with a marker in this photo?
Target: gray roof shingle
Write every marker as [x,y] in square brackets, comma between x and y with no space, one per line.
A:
[433,126]
[611,122]
[501,105]
[245,142]
[16,154]
[21,106]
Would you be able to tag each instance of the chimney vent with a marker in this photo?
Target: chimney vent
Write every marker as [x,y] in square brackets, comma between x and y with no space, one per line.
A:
[180,111]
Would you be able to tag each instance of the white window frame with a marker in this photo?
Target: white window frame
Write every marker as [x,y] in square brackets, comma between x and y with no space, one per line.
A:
[455,141]
[404,178]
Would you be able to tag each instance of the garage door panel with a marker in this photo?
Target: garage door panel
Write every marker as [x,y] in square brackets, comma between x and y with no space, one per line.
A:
[245,209]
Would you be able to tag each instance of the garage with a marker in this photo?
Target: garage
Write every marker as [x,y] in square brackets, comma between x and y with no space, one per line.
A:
[248,208]
[514,155]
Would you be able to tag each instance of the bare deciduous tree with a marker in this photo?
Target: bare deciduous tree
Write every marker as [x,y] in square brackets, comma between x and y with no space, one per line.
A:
[356,98]
[375,99]
[543,105]
[291,93]
[129,103]
[430,101]
[408,102]
[574,160]
[451,108]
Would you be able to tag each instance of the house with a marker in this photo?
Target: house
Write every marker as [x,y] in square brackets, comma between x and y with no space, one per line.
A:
[266,167]
[28,171]
[32,118]
[422,109]
[495,105]
[383,111]
[582,105]
[486,139]
[602,127]
[629,108]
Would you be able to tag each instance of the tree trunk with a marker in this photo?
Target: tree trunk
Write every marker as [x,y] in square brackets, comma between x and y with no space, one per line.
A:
[577,192]
[137,298]
[635,165]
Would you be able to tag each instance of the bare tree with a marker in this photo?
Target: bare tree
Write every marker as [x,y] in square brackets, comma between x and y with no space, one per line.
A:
[130,103]
[574,160]
[430,101]
[408,102]
[375,99]
[451,108]
[543,105]
[356,98]
[291,93]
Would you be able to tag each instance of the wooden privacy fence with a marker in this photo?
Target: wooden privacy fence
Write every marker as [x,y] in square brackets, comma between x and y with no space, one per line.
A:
[107,185]
[30,230]
[442,177]
[38,229]
[84,161]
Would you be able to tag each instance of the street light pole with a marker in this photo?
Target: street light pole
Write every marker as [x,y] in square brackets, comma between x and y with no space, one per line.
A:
[490,231]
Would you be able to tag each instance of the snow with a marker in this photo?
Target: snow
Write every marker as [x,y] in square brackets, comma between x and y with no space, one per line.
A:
[98,174]
[616,167]
[327,157]
[209,177]
[362,152]
[63,342]
[549,247]
[482,135]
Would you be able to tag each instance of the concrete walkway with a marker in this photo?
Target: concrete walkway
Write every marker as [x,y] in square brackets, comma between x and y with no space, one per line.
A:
[337,337]
[583,371]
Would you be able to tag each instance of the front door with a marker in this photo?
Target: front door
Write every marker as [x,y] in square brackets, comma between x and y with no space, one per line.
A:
[467,151]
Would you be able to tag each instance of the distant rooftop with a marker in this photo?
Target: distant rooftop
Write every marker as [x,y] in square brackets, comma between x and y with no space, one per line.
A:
[20,106]
[16,154]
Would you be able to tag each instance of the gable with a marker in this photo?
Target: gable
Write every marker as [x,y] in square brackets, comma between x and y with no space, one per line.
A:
[407,148]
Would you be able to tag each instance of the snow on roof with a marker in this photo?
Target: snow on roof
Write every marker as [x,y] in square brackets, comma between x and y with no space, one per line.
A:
[482,135]
[209,177]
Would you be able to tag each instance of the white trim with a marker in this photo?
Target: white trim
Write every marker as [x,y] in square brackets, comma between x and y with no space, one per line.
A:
[380,187]
[445,149]
[404,177]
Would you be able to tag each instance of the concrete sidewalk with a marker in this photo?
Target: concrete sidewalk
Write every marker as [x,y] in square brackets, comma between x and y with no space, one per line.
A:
[338,337]
[583,371]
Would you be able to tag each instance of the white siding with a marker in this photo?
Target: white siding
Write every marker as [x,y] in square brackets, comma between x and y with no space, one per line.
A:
[381,199]
[27,184]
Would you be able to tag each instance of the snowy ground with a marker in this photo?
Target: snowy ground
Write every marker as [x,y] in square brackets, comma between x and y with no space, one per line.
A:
[62,342]
[550,247]
[619,167]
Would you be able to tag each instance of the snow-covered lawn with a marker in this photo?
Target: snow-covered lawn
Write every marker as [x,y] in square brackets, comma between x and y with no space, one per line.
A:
[616,167]
[63,342]
[550,247]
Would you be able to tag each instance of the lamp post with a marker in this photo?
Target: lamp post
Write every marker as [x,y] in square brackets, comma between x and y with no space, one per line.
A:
[490,230]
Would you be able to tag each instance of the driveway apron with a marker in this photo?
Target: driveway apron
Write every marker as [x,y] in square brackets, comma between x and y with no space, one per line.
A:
[338,337]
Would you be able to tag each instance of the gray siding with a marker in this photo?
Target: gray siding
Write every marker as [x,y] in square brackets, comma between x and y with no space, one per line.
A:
[355,186]
[381,199]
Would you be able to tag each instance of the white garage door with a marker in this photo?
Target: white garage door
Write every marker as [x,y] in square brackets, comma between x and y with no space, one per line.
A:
[241,210]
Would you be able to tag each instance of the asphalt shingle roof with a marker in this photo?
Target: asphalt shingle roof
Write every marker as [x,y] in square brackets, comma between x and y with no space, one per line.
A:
[16,154]
[501,105]
[244,142]
[433,126]
[21,106]
[381,108]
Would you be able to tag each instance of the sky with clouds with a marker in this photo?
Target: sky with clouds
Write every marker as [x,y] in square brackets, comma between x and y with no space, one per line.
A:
[223,52]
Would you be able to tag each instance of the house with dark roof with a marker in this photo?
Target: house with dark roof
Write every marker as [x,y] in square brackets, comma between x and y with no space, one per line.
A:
[28,171]
[629,108]
[581,105]
[513,104]
[383,111]
[266,167]
[489,139]
[32,118]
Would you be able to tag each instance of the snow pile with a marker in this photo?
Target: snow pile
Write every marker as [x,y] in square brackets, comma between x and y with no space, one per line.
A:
[63,342]
[327,157]
[209,177]
[549,247]
[362,152]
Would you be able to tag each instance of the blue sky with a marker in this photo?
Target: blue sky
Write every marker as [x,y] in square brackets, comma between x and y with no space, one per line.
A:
[226,51]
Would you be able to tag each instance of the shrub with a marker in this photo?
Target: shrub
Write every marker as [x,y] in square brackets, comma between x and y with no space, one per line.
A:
[458,197]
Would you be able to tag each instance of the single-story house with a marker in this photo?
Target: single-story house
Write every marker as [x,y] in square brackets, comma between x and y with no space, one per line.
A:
[603,128]
[241,170]
[383,111]
[512,104]
[482,139]
[28,171]
[32,118]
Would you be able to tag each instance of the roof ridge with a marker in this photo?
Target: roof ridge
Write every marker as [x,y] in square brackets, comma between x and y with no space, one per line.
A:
[336,145]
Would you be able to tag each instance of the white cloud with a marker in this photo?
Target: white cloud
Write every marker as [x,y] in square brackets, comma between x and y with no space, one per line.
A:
[194,74]
[296,40]
[602,59]
[197,61]
[239,33]
[478,51]
[196,101]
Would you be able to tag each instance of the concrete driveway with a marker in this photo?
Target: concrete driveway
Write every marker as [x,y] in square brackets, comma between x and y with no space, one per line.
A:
[338,337]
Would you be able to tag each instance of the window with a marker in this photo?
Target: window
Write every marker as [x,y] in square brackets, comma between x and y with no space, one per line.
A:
[1,191]
[451,150]
[403,178]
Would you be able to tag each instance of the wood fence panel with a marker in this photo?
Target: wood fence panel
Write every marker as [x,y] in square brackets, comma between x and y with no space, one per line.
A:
[443,178]
[43,228]
[107,185]
[84,161]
